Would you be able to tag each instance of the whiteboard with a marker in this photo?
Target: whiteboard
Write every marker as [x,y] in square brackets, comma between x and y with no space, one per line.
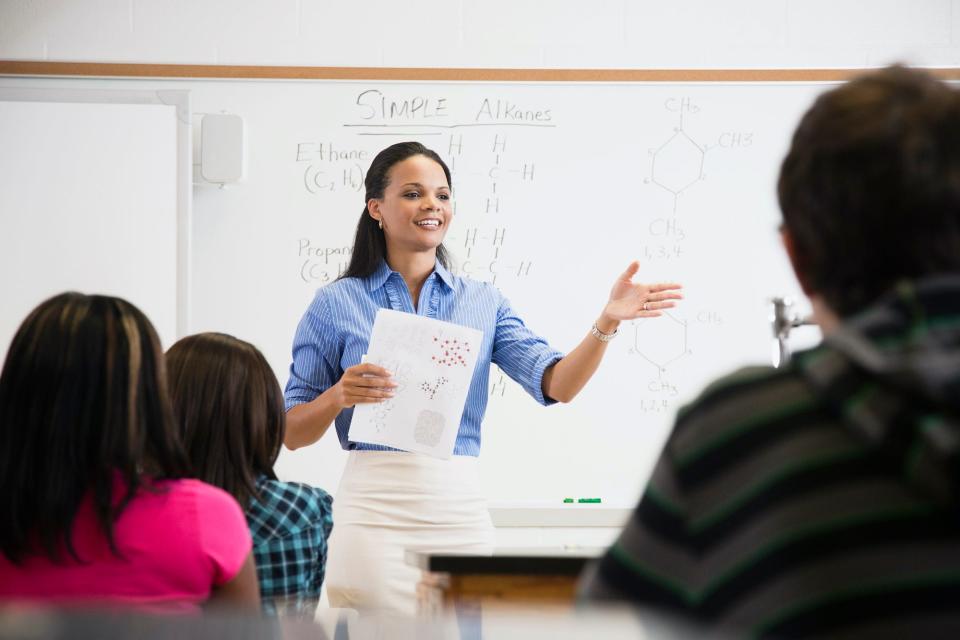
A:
[95,190]
[557,187]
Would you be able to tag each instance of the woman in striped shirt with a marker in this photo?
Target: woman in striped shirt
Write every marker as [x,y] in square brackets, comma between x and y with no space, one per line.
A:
[387,499]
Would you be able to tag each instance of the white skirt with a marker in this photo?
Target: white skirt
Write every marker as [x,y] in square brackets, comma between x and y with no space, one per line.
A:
[389,501]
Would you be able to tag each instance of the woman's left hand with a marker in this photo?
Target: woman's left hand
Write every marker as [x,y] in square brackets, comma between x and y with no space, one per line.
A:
[630,300]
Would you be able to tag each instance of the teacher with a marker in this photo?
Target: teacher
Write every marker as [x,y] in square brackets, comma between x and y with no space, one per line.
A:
[389,500]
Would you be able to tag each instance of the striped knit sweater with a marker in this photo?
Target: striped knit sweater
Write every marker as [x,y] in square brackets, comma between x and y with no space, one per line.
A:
[817,500]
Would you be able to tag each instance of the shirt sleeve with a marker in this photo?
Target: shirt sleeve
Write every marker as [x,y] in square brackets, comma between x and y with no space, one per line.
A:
[654,561]
[313,368]
[522,354]
[223,532]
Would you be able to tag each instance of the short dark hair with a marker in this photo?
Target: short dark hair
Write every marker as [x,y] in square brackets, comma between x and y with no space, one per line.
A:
[369,244]
[83,401]
[230,409]
[870,189]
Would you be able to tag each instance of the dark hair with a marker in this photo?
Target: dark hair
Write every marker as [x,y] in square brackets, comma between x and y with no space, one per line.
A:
[870,189]
[83,402]
[369,245]
[230,410]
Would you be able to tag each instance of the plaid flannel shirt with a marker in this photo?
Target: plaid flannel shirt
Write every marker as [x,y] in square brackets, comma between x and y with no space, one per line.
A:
[290,525]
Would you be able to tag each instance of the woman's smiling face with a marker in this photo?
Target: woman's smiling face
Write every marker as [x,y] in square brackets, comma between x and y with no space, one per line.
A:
[416,206]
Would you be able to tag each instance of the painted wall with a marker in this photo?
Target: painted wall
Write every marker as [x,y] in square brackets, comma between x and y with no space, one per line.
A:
[493,33]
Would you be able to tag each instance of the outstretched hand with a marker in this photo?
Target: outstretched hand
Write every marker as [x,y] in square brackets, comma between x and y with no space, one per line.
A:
[630,300]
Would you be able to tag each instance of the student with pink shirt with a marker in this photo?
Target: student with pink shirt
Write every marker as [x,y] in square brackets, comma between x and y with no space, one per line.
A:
[96,504]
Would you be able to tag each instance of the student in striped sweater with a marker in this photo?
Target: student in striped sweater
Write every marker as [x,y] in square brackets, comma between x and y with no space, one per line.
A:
[820,499]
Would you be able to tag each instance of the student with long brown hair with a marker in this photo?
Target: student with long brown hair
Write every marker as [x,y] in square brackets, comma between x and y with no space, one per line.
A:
[230,411]
[96,501]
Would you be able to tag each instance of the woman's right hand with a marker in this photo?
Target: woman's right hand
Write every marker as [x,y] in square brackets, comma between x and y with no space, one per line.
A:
[364,383]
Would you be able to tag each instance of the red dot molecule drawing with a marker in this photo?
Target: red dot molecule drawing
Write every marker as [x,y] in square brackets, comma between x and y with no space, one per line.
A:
[451,352]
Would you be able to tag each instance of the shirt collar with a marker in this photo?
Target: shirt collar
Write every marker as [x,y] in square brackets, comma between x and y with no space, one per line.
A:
[376,279]
[444,275]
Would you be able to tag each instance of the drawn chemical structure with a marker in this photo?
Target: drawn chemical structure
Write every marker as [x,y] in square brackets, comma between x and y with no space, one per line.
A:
[450,352]
[401,376]
[496,241]
[432,389]
[495,171]
[489,272]
[483,253]
[662,344]
[381,413]
[677,164]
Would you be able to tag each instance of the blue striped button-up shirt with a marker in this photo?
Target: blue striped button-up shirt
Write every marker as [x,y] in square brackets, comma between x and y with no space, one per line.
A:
[335,331]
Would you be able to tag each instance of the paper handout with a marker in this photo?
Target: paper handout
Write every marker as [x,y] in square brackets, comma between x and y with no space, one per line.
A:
[432,363]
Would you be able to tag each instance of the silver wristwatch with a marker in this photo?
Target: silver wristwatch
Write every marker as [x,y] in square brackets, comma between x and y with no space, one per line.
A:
[601,336]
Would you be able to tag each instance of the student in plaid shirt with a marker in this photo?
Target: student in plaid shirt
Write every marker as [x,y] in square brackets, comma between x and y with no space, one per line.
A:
[230,410]
[290,525]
